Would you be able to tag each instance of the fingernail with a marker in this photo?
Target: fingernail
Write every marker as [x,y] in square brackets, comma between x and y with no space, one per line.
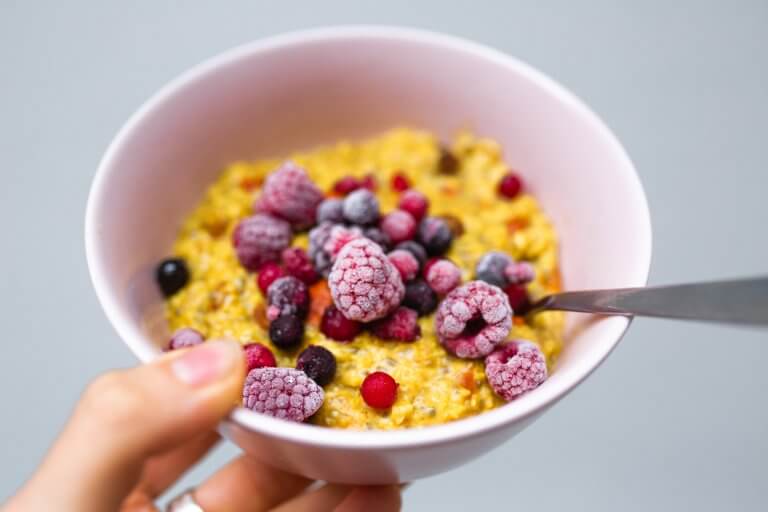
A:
[207,363]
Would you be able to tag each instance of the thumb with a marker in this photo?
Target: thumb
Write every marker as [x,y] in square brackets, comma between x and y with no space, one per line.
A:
[127,416]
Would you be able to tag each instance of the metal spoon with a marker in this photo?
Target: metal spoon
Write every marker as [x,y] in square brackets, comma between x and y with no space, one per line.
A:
[741,301]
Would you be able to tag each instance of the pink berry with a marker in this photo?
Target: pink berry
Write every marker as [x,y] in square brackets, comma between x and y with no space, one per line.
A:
[400,182]
[515,368]
[520,272]
[338,327]
[415,203]
[443,276]
[184,338]
[405,263]
[267,275]
[346,185]
[258,356]
[399,225]
[297,264]
[259,239]
[518,298]
[338,237]
[288,193]
[428,265]
[283,393]
[369,182]
[379,390]
[473,319]
[510,185]
[400,325]
[364,284]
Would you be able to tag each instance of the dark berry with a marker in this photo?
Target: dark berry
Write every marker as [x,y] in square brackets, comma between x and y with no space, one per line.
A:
[346,185]
[518,298]
[420,297]
[400,325]
[361,207]
[318,363]
[378,236]
[258,356]
[447,163]
[400,182]
[286,331]
[268,273]
[435,235]
[338,327]
[297,264]
[172,275]
[415,203]
[379,390]
[510,185]
[287,296]
[330,210]
[491,268]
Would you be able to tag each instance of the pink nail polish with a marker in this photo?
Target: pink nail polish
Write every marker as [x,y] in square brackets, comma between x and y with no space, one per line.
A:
[205,363]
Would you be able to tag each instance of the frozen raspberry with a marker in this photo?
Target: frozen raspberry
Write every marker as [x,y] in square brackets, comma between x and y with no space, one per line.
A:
[379,390]
[287,296]
[346,185]
[435,235]
[399,225]
[515,368]
[283,393]
[259,239]
[288,193]
[318,363]
[267,275]
[443,276]
[491,268]
[473,319]
[361,207]
[258,356]
[405,263]
[364,284]
[416,249]
[447,163]
[330,210]
[518,298]
[400,325]
[519,273]
[338,237]
[420,296]
[415,203]
[184,338]
[297,264]
[510,185]
[286,331]
[400,182]
[379,237]
[338,327]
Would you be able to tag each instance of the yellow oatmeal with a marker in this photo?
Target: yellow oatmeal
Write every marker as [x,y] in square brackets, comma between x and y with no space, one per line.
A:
[222,299]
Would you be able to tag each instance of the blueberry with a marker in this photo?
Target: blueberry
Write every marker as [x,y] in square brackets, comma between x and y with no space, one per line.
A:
[330,210]
[416,249]
[379,237]
[361,207]
[172,275]
[420,296]
[435,235]
[286,331]
[490,268]
[318,363]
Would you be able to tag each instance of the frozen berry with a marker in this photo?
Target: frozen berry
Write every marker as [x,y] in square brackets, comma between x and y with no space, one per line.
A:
[287,296]
[447,163]
[364,284]
[172,275]
[435,235]
[401,325]
[338,237]
[346,185]
[400,182]
[518,298]
[379,237]
[258,356]
[443,276]
[318,236]
[286,331]
[420,297]
[520,272]
[338,327]
[297,264]
[267,275]
[515,368]
[259,239]
[491,268]
[399,225]
[361,207]
[185,337]
[379,390]
[283,393]
[405,263]
[415,203]
[288,193]
[473,319]
[510,185]
[318,363]
[330,210]
[414,248]
[369,182]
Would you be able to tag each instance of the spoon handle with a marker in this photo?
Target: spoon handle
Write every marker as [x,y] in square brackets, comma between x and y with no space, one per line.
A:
[741,301]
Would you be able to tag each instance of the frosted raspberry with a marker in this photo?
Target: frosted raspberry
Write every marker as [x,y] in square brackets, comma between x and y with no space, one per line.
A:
[287,296]
[283,393]
[259,239]
[184,338]
[473,319]
[515,368]
[297,264]
[330,210]
[399,225]
[401,325]
[339,237]
[288,193]
[258,356]
[364,284]
[415,203]
[520,272]
[443,276]
[325,242]
[405,263]
[361,207]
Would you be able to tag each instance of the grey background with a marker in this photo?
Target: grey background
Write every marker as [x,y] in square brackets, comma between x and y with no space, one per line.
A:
[676,418]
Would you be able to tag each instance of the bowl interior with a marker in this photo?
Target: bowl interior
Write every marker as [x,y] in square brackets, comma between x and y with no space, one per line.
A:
[267,99]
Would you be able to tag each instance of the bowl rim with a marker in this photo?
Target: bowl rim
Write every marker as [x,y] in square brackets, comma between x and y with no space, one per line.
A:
[526,407]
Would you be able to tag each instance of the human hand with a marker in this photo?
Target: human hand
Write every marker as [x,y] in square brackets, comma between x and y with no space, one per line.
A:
[135,432]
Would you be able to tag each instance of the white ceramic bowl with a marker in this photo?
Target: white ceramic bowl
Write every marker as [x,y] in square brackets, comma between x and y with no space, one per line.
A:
[308,88]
